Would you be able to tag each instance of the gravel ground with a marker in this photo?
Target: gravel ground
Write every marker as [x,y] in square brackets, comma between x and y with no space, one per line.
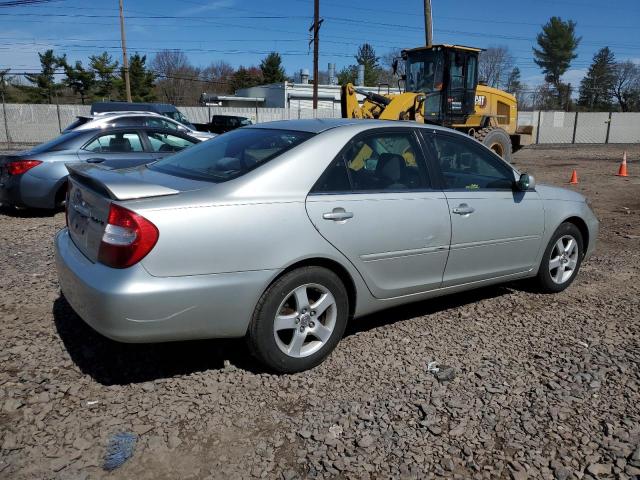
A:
[545,386]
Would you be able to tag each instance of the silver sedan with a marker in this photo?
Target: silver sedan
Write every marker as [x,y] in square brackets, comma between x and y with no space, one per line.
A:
[282,232]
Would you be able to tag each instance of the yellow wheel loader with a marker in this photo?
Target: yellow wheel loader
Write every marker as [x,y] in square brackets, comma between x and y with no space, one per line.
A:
[441,88]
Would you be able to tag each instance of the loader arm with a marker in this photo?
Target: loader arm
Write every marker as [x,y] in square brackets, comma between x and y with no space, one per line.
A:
[403,106]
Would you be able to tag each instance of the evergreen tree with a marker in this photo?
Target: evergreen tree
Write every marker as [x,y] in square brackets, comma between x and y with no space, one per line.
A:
[140,78]
[80,80]
[596,88]
[45,84]
[245,78]
[558,43]
[347,75]
[104,67]
[367,56]
[272,70]
[515,85]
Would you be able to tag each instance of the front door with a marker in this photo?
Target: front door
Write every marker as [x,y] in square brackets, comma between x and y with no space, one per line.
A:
[374,203]
[495,230]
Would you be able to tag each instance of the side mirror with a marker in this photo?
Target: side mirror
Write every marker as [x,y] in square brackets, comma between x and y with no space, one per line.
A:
[394,66]
[526,182]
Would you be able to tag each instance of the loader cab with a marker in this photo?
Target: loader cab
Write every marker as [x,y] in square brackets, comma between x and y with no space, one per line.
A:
[448,76]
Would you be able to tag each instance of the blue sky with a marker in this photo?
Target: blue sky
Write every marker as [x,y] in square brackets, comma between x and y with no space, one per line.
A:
[229,30]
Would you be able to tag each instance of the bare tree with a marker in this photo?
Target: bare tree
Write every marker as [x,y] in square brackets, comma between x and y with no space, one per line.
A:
[626,87]
[495,65]
[386,72]
[178,80]
[218,77]
[5,80]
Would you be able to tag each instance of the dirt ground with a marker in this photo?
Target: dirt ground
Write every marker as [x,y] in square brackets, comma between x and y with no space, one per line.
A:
[546,386]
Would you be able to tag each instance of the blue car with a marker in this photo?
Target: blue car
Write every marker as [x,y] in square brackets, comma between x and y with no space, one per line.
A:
[37,178]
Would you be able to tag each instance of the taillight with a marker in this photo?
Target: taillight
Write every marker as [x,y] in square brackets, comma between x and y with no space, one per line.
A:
[127,238]
[18,167]
[66,204]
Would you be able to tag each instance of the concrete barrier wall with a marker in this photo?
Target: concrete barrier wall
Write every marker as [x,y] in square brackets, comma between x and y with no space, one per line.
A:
[32,124]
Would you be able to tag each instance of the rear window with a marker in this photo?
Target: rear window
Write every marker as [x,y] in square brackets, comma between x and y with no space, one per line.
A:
[58,143]
[230,155]
[76,123]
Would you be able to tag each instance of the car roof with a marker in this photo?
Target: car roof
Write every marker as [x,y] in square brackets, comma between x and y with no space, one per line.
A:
[120,106]
[125,113]
[318,125]
[136,127]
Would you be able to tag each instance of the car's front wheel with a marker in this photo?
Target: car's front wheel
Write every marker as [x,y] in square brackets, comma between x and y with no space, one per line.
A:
[562,259]
[299,320]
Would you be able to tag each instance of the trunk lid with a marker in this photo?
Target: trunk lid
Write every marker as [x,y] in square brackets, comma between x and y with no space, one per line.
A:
[92,189]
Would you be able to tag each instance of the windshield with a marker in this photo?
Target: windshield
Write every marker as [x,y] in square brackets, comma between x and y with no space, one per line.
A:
[230,155]
[424,71]
[179,117]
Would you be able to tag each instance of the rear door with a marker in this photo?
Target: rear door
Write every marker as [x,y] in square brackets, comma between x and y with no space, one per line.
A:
[117,149]
[495,230]
[375,204]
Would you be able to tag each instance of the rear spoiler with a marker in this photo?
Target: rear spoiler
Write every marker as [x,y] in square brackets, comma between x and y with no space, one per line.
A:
[115,184]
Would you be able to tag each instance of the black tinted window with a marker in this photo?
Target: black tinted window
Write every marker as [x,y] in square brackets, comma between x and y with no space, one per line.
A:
[230,155]
[334,179]
[127,121]
[468,166]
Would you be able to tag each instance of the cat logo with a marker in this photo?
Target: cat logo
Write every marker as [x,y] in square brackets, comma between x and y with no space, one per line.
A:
[481,101]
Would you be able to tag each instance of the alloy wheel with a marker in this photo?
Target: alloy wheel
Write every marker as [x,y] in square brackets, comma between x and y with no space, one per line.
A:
[564,259]
[305,320]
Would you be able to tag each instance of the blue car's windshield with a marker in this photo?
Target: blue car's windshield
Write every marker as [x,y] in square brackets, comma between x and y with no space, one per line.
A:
[230,155]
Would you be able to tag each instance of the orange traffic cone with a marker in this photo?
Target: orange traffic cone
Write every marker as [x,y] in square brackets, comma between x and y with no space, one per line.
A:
[622,171]
[574,178]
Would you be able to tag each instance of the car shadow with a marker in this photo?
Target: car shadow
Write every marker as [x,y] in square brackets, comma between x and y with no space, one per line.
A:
[113,363]
[27,212]
[427,307]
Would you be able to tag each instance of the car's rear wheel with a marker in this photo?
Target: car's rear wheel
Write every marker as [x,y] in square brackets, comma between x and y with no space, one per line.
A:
[562,259]
[299,320]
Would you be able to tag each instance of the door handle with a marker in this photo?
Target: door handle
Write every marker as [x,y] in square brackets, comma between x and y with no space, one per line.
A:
[463,209]
[95,160]
[337,215]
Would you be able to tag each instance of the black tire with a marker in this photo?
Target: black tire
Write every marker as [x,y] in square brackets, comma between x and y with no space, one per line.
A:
[497,140]
[544,280]
[261,337]
[61,197]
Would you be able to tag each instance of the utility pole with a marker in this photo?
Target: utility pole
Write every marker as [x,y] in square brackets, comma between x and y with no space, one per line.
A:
[316,41]
[428,23]
[125,60]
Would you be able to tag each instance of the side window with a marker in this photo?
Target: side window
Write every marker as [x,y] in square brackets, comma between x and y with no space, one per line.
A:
[466,166]
[385,161]
[335,178]
[164,142]
[127,122]
[121,142]
[376,162]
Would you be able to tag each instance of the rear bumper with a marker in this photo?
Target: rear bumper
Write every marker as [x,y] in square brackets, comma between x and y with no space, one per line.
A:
[132,306]
[28,191]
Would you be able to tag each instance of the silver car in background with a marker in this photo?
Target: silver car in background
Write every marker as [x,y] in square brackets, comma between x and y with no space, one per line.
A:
[135,119]
[282,232]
